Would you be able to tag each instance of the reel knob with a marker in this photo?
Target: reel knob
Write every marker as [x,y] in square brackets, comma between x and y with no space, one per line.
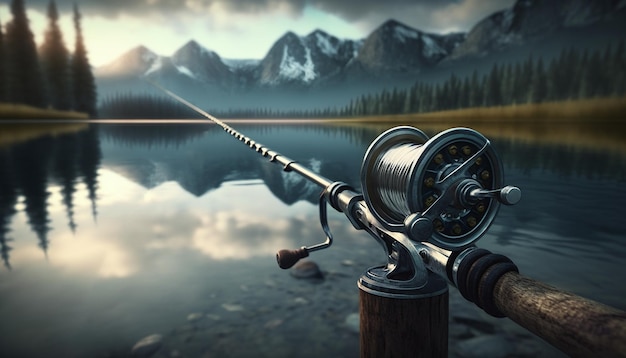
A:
[287,258]
[471,191]
[510,195]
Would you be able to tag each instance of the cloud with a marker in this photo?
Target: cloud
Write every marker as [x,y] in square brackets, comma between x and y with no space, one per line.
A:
[142,8]
[428,15]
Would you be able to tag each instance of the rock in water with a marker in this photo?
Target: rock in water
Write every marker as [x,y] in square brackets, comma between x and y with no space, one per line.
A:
[192,317]
[230,307]
[307,270]
[353,322]
[147,346]
[486,346]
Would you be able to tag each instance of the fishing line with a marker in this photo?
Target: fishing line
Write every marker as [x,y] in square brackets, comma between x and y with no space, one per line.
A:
[392,173]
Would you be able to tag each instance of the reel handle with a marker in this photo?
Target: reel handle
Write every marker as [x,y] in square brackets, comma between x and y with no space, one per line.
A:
[287,258]
[508,195]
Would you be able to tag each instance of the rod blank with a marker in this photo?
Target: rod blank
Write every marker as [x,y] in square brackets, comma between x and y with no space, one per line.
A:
[273,156]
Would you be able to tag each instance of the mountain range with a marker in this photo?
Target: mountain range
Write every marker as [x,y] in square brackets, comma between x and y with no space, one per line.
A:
[321,70]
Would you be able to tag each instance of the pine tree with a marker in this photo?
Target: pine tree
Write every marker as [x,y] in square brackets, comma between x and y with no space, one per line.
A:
[618,65]
[517,91]
[527,74]
[571,83]
[408,102]
[475,96]
[24,74]
[465,93]
[506,84]
[3,74]
[493,93]
[582,70]
[454,89]
[539,87]
[83,81]
[54,58]
[553,81]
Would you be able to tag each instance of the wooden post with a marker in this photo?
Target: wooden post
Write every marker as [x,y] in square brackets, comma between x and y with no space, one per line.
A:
[577,326]
[396,326]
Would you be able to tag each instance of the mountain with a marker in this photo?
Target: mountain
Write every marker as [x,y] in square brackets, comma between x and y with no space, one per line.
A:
[395,55]
[318,62]
[395,47]
[203,65]
[305,60]
[536,21]
[135,62]
[193,71]
[320,70]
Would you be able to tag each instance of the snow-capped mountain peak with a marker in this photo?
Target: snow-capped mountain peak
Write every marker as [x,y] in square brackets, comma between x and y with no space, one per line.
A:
[291,69]
[303,60]
[155,67]
[402,33]
[327,44]
[197,62]
[193,48]
[132,63]
[431,48]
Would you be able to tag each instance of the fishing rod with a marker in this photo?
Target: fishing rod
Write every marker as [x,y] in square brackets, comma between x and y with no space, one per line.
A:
[427,201]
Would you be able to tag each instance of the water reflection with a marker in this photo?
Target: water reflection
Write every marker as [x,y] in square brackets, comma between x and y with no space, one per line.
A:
[27,169]
[201,158]
[203,163]
[188,215]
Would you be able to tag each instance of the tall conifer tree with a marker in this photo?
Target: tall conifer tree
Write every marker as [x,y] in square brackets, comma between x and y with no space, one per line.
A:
[3,78]
[24,74]
[493,94]
[83,82]
[55,60]
[539,86]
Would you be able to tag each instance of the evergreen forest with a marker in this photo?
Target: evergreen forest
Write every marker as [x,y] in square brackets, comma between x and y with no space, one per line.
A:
[49,76]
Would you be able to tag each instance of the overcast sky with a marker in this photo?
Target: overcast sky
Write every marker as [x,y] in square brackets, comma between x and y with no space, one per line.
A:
[242,28]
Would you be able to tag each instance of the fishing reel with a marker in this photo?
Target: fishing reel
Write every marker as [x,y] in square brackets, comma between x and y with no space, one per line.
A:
[445,190]
[426,201]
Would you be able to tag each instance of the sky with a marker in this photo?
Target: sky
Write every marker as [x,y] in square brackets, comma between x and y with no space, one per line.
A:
[241,29]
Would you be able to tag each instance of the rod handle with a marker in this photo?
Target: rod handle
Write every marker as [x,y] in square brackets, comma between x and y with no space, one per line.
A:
[577,326]
[287,258]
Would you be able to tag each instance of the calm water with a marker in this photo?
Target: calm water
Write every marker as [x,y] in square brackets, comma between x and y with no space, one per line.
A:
[117,232]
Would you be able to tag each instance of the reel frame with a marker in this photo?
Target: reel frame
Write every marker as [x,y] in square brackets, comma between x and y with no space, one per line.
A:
[450,188]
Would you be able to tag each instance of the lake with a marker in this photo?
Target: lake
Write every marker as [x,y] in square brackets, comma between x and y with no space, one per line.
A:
[115,232]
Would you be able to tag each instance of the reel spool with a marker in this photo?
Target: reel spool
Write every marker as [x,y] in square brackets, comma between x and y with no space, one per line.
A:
[444,190]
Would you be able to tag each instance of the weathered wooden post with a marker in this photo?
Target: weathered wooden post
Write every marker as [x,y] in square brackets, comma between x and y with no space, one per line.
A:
[405,322]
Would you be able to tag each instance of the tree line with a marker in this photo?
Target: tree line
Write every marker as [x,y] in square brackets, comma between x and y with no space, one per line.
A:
[48,76]
[144,106]
[150,106]
[571,75]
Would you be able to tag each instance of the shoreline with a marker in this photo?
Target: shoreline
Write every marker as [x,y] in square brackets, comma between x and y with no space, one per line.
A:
[16,112]
[605,110]
[594,110]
